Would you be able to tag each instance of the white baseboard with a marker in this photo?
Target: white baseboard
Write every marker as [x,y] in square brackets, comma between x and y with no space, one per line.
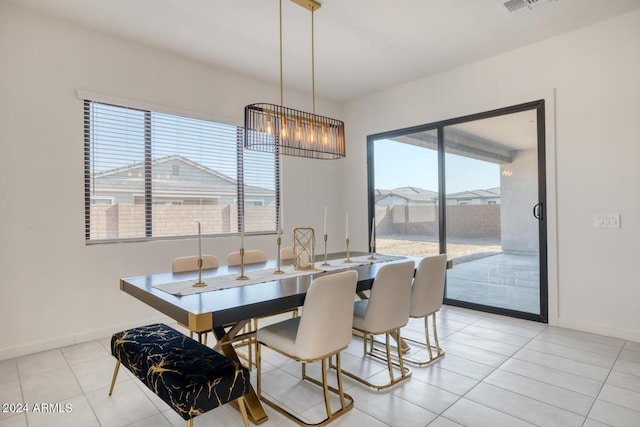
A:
[600,329]
[64,341]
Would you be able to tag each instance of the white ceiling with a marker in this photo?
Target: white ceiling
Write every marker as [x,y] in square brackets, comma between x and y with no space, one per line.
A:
[361,46]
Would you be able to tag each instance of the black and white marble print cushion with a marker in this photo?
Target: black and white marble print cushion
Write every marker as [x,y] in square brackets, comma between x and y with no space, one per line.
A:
[188,376]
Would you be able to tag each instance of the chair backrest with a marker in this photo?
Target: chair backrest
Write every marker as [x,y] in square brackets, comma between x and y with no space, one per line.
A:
[286,252]
[327,315]
[427,293]
[253,256]
[190,263]
[390,299]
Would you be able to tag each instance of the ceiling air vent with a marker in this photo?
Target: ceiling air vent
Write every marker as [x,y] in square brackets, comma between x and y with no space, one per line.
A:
[516,6]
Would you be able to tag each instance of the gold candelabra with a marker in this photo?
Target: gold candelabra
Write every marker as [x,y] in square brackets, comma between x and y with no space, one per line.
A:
[325,250]
[241,276]
[347,259]
[279,243]
[372,248]
[199,283]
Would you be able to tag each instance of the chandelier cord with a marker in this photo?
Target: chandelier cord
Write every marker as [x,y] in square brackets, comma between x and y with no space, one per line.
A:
[313,74]
[281,90]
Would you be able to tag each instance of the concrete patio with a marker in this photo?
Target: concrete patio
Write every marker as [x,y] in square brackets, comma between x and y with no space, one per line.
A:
[506,280]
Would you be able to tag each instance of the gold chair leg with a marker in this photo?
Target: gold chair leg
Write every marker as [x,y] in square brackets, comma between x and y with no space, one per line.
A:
[400,356]
[251,343]
[346,401]
[190,423]
[343,403]
[435,334]
[325,388]
[200,335]
[433,356]
[389,362]
[259,369]
[115,375]
[387,358]
[426,336]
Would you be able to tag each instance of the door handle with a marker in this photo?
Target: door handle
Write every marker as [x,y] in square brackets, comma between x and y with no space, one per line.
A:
[538,212]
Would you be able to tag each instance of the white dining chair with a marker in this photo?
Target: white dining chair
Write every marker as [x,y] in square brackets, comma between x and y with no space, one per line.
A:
[286,252]
[320,333]
[427,294]
[386,311]
[252,256]
[188,264]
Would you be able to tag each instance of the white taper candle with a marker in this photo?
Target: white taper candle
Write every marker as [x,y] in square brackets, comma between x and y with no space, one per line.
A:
[325,219]
[373,229]
[346,229]
[199,241]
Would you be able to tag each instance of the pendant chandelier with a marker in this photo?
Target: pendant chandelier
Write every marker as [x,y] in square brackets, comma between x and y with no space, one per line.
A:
[282,130]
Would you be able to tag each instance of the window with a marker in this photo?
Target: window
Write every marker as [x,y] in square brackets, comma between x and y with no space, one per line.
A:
[150,175]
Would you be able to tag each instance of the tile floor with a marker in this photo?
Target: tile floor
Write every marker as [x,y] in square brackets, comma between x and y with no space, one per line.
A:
[497,371]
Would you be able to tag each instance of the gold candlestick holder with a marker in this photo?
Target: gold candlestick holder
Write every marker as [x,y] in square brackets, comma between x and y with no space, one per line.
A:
[372,249]
[347,259]
[241,276]
[279,243]
[325,263]
[199,283]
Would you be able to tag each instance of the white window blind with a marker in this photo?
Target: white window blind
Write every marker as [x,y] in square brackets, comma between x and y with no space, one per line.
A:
[151,175]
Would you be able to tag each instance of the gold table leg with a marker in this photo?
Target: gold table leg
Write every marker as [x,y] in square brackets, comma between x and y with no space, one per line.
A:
[255,410]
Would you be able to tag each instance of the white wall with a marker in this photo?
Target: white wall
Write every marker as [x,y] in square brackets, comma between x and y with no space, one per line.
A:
[590,77]
[55,289]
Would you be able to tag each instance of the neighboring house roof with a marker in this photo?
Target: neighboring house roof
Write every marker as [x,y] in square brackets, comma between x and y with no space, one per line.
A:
[408,193]
[416,194]
[169,178]
[476,194]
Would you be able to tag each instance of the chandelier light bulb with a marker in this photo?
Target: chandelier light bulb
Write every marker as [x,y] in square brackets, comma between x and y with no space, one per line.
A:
[269,127]
[298,130]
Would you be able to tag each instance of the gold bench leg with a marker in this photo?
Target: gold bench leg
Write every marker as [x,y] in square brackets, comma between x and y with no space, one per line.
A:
[115,375]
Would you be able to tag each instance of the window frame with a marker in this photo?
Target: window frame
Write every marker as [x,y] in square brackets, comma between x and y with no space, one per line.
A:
[149,200]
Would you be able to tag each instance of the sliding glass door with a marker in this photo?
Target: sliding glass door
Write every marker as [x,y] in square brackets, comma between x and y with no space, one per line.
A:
[407,195]
[472,187]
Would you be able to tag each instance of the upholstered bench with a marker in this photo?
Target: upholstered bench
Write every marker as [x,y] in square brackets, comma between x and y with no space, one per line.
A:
[190,377]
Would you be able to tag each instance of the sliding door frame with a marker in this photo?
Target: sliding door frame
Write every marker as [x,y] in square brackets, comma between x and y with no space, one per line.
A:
[539,107]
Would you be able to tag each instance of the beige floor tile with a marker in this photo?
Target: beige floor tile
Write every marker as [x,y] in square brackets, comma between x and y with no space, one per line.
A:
[496,372]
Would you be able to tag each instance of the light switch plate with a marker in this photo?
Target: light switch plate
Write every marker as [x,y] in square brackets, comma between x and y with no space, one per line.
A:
[606,220]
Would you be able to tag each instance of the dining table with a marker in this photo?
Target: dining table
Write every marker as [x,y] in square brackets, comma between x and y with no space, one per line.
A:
[226,303]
